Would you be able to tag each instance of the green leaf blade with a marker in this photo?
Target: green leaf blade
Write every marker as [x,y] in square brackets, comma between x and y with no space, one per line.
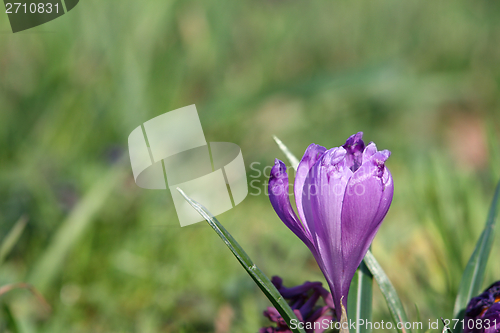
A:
[391,296]
[255,273]
[12,237]
[472,278]
[359,303]
[10,319]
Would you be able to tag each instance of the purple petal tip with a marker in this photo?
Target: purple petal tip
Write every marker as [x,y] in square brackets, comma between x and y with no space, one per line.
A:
[355,142]
[354,147]
[278,170]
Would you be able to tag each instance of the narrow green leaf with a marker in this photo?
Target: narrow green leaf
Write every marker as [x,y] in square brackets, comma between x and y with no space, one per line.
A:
[419,319]
[472,278]
[391,296]
[255,273]
[12,237]
[291,157]
[359,303]
[10,320]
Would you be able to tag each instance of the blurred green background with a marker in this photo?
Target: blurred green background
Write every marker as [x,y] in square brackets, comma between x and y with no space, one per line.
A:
[421,79]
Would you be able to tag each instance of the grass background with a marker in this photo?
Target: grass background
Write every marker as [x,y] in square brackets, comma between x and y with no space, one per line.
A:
[421,79]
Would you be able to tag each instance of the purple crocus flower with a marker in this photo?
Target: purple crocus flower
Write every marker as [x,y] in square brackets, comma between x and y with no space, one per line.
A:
[303,301]
[482,314]
[342,195]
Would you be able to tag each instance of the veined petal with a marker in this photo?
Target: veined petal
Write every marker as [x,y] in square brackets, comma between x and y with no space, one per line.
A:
[367,199]
[280,200]
[322,198]
[311,156]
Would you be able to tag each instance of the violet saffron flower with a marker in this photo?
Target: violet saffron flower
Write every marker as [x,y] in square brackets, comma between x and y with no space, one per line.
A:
[342,195]
[302,300]
[482,314]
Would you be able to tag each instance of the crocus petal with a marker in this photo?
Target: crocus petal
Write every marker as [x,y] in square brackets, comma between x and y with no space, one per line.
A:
[272,314]
[322,319]
[295,291]
[494,289]
[327,297]
[354,147]
[493,315]
[311,156]
[308,306]
[366,201]
[478,304]
[298,314]
[317,314]
[302,300]
[482,314]
[322,203]
[280,200]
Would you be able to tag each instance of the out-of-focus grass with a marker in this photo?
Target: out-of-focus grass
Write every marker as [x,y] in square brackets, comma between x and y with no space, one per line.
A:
[419,78]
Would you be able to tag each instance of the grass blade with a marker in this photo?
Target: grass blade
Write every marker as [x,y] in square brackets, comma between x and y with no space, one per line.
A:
[391,296]
[12,237]
[10,320]
[291,157]
[419,319]
[257,275]
[359,302]
[472,278]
